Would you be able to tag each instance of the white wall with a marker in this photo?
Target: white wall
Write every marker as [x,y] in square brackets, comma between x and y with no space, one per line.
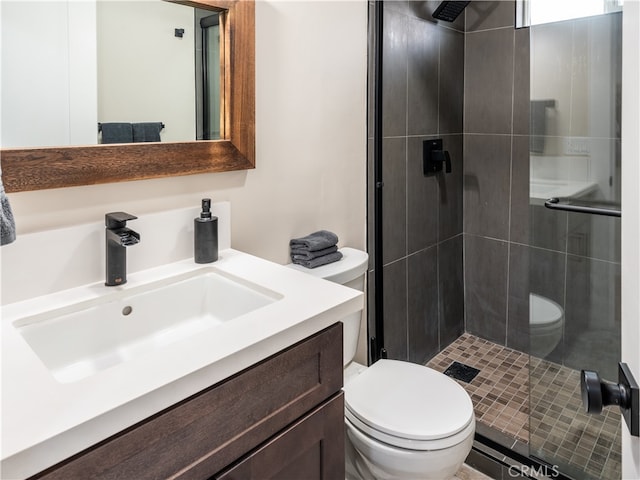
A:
[33,68]
[310,143]
[630,332]
[83,74]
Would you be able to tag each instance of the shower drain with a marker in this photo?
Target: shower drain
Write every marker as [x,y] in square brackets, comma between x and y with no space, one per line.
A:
[462,372]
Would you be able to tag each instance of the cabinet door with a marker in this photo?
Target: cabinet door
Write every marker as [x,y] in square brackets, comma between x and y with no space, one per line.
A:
[310,449]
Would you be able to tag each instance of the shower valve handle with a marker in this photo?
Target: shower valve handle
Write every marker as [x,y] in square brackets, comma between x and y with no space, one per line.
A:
[598,393]
[447,162]
[434,157]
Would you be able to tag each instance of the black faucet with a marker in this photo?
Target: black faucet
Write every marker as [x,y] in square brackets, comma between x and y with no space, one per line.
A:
[118,237]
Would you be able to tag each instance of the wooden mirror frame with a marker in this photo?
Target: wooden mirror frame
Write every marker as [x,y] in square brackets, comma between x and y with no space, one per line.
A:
[46,167]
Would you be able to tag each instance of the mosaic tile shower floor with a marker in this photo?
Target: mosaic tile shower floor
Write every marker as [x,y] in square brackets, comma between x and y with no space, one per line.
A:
[586,446]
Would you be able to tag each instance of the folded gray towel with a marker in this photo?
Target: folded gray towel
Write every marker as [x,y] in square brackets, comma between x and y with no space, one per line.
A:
[116,132]
[147,132]
[7,224]
[314,241]
[302,254]
[323,260]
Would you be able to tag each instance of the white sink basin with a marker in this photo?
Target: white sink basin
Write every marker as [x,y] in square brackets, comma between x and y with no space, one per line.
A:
[80,339]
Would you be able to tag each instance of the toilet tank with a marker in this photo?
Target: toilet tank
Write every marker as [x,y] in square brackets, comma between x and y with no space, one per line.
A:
[349,271]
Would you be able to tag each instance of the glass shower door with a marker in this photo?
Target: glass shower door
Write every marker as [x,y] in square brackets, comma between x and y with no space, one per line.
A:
[574,261]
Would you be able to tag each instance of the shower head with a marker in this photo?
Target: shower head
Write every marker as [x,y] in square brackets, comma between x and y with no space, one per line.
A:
[449,10]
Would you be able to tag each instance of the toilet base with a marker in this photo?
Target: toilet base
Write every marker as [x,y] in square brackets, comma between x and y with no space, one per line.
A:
[367,459]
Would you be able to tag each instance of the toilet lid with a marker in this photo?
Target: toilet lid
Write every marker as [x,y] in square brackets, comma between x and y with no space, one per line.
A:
[408,401]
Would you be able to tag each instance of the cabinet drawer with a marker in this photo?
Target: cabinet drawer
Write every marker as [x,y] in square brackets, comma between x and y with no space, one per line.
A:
[310,449]
[208,431]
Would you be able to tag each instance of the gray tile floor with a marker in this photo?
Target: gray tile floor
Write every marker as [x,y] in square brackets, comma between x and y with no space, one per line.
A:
[506,390]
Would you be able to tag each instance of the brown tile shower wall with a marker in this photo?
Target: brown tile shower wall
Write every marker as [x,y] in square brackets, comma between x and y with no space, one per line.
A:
[422,216]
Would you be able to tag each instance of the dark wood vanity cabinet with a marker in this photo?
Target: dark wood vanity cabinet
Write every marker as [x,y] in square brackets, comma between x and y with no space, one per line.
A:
[310,449]
[279,419]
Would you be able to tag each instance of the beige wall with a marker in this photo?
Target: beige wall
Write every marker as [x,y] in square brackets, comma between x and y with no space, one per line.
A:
[310,146]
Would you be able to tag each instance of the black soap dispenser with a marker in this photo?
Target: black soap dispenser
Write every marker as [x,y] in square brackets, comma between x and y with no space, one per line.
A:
[205,235]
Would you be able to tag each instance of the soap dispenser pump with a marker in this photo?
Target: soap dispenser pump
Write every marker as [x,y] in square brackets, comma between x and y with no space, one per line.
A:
[205,235]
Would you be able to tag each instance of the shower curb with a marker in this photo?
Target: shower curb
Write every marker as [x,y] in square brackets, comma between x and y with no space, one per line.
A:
[501,463]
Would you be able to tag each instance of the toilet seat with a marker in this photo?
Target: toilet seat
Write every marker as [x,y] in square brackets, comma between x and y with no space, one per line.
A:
[409,406]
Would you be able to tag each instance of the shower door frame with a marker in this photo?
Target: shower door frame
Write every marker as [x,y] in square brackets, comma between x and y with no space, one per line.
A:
[631,218]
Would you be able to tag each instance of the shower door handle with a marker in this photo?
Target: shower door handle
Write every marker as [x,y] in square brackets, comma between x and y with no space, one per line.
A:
[564,204]
[598,393]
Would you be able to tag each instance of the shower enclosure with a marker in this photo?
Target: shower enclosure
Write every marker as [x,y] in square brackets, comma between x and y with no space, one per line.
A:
[471,266]
[574,252]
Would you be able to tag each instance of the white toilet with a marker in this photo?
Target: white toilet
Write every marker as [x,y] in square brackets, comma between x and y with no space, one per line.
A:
[403,421]
[546,323]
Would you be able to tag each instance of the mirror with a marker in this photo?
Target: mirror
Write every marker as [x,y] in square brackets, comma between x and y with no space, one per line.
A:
[108,63]
[41,168]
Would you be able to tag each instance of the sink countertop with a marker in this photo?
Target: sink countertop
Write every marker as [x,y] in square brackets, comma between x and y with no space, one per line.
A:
[44,421]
